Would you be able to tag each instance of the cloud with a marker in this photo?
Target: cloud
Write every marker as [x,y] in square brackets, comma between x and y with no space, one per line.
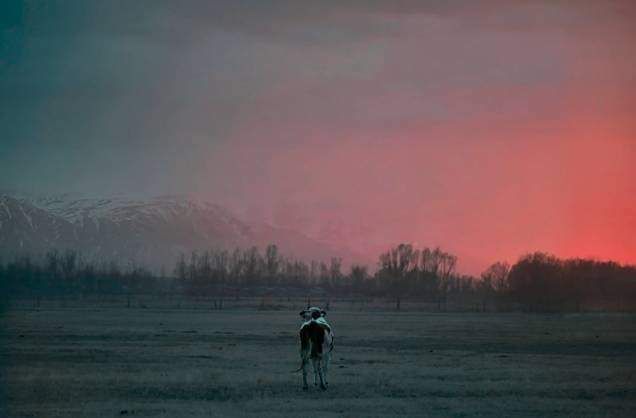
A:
[433,121]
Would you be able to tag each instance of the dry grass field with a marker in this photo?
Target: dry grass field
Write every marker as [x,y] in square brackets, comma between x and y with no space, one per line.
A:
[112,362]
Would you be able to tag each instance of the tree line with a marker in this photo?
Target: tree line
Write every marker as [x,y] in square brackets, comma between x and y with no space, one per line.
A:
[536,282]
[69,274]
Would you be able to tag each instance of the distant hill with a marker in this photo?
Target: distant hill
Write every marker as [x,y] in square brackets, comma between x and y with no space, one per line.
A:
[148,231]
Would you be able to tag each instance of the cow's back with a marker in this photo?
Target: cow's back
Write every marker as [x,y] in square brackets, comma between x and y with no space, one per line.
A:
[316,338]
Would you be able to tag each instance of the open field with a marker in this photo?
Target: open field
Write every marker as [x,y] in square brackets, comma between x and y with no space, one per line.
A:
[107,362]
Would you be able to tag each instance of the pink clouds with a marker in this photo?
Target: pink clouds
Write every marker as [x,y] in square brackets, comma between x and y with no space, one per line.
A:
[486,138]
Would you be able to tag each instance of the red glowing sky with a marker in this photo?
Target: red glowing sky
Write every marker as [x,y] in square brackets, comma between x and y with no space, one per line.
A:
[488,139]
[489,128]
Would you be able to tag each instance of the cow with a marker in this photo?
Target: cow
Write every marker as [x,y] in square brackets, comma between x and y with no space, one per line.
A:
[316,344]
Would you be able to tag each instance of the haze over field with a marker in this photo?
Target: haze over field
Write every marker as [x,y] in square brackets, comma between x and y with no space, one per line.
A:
[488,128]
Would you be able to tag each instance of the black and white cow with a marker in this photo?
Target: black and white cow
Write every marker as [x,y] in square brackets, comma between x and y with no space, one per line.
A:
[316,344]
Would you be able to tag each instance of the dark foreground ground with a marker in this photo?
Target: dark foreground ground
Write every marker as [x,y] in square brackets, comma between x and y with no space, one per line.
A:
[178,363]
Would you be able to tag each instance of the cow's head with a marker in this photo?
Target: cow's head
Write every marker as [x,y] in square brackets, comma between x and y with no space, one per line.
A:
[312,313]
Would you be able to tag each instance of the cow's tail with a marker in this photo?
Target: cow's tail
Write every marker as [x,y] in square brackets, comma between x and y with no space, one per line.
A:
[302,363]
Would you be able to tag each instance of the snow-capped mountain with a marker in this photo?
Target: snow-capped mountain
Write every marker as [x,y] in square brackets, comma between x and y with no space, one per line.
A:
[152,231]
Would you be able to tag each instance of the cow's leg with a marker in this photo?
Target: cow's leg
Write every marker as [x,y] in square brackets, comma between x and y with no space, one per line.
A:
[326,358]
[314,363]
[305,386]
[320,374]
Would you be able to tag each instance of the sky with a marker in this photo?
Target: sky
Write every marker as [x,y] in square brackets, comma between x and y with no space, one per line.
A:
[489,128]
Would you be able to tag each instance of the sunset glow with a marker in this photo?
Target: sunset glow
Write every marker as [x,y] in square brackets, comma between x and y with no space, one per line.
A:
[490,131]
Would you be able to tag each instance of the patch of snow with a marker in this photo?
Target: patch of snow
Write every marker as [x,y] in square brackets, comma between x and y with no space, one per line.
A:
[6,209]
[27,217]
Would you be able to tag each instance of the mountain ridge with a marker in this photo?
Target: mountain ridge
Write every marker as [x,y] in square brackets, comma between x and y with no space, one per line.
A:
[152,231]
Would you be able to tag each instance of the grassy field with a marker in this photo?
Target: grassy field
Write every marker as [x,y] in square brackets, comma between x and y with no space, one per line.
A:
[108,362]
